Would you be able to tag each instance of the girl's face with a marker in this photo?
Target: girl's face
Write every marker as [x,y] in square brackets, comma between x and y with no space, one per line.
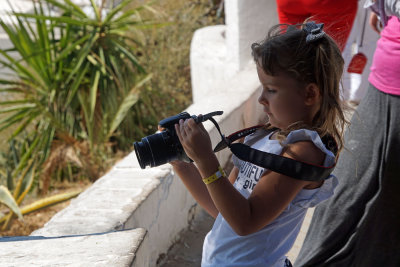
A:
[284,100]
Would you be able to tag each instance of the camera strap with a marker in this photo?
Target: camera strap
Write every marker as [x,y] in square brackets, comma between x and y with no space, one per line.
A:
[277,163]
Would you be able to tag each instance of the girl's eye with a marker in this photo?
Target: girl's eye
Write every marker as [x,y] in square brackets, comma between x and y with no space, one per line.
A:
[269,90]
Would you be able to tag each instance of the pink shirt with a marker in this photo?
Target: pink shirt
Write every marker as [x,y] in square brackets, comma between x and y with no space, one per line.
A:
[385,69]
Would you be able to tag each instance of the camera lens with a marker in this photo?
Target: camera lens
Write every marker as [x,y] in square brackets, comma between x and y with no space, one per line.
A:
[154,150]
[143,153]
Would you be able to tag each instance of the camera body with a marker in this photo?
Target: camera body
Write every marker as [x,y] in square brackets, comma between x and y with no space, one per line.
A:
[163,147]
[169,123]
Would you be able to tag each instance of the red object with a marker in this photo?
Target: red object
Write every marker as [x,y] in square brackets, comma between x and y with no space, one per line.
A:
[359,60]
[337,15]
[357,63]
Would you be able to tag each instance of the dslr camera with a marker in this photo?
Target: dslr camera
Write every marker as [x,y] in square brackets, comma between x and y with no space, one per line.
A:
[163,147]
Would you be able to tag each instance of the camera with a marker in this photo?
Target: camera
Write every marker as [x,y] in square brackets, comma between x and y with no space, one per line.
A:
[163,147]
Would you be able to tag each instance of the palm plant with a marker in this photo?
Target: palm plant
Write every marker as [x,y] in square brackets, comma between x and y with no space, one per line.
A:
[75,78]
[20,169]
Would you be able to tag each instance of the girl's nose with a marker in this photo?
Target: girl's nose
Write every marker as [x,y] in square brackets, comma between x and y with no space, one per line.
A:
[262,100]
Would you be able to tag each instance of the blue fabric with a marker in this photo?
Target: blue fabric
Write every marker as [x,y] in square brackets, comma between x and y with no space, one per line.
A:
[267,247]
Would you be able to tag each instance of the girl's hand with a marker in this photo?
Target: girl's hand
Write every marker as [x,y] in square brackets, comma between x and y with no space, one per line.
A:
[178,164]
[194,139]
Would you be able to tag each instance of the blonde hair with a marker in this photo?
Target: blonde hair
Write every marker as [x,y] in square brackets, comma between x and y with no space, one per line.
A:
[285,50]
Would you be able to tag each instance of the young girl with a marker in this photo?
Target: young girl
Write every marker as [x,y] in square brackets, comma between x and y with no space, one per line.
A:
[259,212]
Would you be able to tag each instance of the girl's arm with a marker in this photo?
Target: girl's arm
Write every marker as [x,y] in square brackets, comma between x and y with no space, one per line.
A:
[271,195]
[191,178]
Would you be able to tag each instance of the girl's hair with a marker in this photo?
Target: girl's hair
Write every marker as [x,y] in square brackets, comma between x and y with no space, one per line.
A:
[285,50]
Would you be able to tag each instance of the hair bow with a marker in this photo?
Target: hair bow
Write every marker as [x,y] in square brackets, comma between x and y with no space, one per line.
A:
[314,31]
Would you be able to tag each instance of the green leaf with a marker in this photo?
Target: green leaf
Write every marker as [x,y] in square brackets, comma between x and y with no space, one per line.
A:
[10,180]
[17,107]
[92,60]
[48,201]
[27,183]
[11,102]
[115,11]
[130,99]
[13,119]
[102,61]
[69,7]
[95,9]
[76,83]
[27,155]
[7,199]
[61,19]
[9,82]
[12,90]
[23,125]
[93,94]
[71,47]
[86,114]
[82,56]
[131,57]
[16,65]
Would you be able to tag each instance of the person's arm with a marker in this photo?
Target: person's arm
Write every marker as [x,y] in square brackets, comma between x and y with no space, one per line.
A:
[375,23]
[191,178]
[233,175]
[271,195]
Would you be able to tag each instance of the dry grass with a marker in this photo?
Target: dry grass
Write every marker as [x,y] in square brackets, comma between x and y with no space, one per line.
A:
[168,49]
[37,219]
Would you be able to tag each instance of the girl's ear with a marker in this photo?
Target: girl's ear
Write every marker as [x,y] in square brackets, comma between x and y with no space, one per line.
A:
[312,94]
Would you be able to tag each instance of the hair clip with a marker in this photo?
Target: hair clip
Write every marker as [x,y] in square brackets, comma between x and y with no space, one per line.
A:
[314,31]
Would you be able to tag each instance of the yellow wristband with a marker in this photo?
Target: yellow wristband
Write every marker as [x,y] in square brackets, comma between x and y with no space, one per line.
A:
[220,173]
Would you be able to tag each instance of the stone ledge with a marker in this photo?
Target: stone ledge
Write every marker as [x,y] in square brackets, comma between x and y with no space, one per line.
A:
[106,205]
[117,248]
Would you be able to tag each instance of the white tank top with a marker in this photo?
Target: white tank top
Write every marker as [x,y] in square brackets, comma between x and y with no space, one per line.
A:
[267,247]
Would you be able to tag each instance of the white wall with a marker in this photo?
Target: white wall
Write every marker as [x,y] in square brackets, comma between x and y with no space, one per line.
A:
[219,52]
